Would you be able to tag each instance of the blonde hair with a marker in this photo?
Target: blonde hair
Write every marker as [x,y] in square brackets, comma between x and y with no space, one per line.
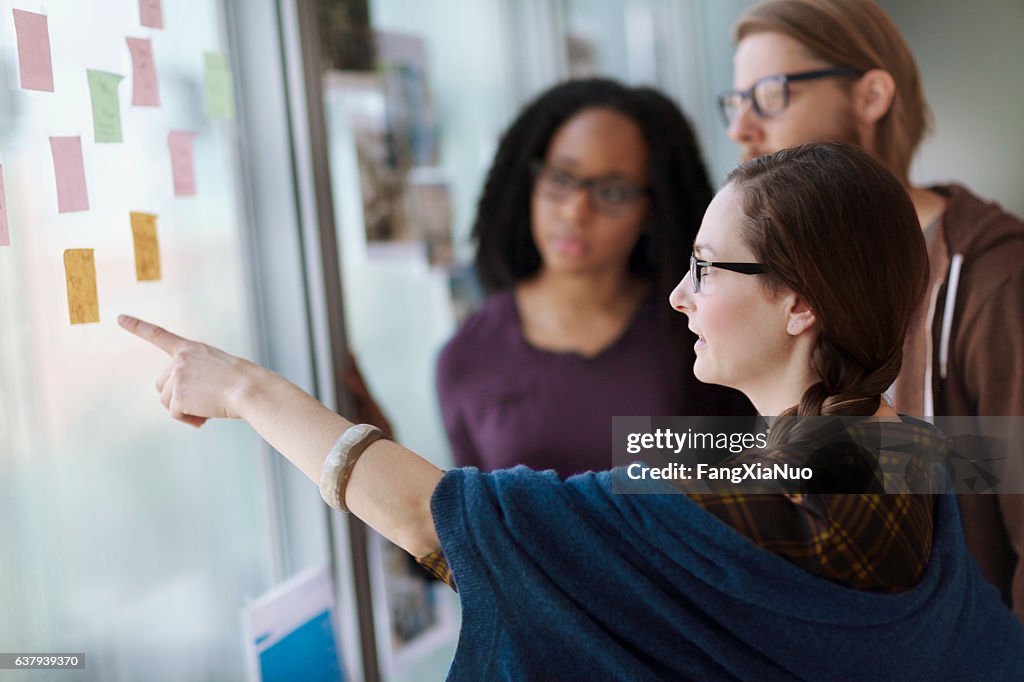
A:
[856,33]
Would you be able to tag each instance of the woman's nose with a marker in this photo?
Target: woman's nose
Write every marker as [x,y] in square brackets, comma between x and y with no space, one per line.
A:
[578,205]
[681,297]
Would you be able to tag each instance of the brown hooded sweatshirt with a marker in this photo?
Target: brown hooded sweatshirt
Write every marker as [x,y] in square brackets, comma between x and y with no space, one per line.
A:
[972,361]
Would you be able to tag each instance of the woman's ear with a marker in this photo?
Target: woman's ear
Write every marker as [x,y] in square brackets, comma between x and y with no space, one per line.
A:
[873,95]
[799,317]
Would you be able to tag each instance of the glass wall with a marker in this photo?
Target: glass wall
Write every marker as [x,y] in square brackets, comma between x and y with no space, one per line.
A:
[125,535]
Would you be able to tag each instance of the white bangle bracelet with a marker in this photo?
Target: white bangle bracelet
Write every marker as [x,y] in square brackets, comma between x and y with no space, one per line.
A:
[343,456]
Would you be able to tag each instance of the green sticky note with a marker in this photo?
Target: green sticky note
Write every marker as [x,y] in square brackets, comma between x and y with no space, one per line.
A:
[220,96]
[106,110]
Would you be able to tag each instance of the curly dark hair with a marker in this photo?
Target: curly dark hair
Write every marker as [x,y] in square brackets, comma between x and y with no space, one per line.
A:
[680,190]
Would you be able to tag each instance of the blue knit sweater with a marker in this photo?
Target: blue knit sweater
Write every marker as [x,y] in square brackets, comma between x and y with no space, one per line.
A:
[564,580]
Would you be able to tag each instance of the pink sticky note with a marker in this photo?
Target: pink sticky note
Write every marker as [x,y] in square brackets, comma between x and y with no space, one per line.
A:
[150,13]
[5,231]
[70,171]
[33,51]
[182,166]
[145,92]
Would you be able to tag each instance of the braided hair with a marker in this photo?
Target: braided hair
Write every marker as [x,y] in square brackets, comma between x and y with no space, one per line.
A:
[831,224]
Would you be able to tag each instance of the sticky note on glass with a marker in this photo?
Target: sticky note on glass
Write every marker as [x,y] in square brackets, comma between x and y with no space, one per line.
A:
[106,110]
[147,247]
[145,92]
[182,165]
[5,230]
[220,96]
[80,273]
[150,13]
[70,172]
[34,61]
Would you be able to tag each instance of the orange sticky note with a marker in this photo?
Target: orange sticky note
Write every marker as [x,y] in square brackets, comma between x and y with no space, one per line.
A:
[70,172]
[147,247]
[145,92]
[5,230]
[150,13]
[80,272]
[182,165]
[34,61]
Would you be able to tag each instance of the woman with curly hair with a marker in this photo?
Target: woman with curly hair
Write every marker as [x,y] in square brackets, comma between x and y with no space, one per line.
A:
[582,230]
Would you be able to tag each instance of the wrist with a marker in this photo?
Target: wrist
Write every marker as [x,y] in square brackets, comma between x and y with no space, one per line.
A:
[247,390]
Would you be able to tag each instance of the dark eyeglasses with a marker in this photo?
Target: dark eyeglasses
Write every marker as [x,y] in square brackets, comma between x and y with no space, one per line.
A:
[698,268]
[610,195]
[769,96]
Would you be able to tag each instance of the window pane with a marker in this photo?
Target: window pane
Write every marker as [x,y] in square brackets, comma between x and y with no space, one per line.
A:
[126,536]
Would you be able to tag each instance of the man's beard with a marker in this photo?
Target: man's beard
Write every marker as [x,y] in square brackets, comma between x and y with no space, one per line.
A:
[846,132]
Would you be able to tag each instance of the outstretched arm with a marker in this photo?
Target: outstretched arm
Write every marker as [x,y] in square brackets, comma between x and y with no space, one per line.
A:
[390,487]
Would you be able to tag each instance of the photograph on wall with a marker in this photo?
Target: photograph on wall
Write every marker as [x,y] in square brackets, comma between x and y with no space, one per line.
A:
[346,37]
[429,213]
[381,183]
[412,123]
[290,631]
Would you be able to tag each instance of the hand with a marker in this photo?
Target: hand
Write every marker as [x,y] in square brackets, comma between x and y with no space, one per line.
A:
[200,382]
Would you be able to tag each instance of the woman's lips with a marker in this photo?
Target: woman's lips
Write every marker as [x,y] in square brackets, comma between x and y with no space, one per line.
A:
[572,247]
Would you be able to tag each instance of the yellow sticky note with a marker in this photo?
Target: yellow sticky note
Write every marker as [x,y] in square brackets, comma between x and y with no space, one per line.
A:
[80,272]
[147,247]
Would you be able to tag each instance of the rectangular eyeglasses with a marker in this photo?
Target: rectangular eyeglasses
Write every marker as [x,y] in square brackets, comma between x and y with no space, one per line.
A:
[698,268]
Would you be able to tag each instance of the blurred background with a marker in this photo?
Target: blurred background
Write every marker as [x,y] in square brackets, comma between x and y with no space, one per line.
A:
[332,211]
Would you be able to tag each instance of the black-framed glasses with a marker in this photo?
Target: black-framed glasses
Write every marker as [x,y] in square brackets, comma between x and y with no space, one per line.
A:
[699,268]
[769,96]
[608,194]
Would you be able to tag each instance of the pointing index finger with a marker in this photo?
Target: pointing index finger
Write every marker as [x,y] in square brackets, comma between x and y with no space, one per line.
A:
[158,336]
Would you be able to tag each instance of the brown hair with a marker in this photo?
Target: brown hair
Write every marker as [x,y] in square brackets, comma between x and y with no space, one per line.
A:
[830,223]
[860,34]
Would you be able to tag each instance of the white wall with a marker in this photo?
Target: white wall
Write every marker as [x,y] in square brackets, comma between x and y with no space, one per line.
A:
[972,61]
